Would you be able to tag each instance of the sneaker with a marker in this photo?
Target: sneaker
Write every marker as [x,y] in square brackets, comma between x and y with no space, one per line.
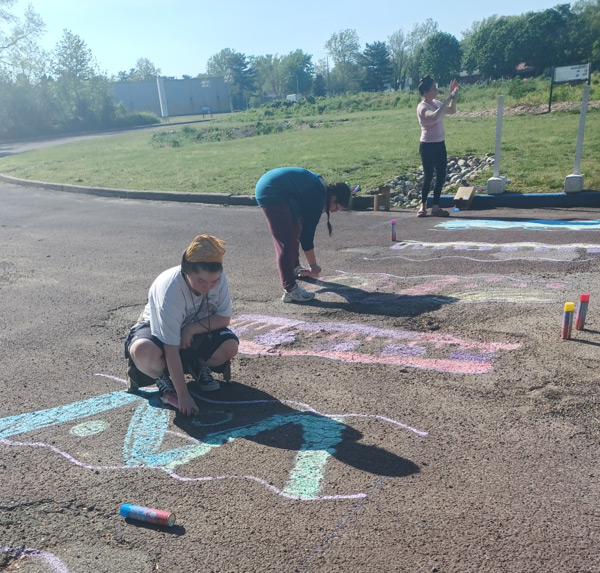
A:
[205,381]
[297,294]
[227,371]
[165,387]
[136,379]
[301,271]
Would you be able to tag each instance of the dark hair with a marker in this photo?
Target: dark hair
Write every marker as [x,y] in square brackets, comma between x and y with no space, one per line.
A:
[342,197]
[425,84]
[194,268]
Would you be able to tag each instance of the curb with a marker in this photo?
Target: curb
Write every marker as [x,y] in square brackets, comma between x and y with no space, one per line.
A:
[511,200]
[209,198]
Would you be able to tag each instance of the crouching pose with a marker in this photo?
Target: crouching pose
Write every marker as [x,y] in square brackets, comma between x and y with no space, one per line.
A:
[183,328]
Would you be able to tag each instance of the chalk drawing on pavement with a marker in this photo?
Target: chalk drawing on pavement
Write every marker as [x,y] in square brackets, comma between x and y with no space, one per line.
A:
[384,288]
[50,559]
[359,343]
[485,252]
[532,225]
[150,443]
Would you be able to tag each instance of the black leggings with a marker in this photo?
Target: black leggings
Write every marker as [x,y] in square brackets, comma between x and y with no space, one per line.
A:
[433,156]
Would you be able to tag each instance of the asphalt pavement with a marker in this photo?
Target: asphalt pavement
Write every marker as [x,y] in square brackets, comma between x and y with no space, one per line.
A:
[422,414]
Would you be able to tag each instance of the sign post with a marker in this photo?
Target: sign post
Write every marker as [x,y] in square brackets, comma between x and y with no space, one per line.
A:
[566,74]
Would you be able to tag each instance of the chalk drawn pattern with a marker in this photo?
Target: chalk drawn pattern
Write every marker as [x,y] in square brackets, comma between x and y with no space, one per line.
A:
[145,437]
[359,343]
[384,288]
[50,559]
[491,252]
[532,225]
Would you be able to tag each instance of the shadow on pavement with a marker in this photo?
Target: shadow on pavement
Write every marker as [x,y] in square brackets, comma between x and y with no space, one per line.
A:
[361,301]
[263,419]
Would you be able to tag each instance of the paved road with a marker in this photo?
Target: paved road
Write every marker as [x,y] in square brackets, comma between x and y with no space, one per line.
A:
[422,415]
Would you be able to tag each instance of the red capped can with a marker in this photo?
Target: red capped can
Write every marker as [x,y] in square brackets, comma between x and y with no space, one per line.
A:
[157,516]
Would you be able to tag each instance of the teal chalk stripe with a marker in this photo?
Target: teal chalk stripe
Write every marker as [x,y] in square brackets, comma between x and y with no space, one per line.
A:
[145,436]
[23,423]
[321,435]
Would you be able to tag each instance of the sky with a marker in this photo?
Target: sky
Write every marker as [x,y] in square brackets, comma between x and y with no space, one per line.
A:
[180,36]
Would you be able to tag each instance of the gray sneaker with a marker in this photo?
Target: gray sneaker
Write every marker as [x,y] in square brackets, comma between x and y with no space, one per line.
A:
[165,387]
[205,381]
[297,294]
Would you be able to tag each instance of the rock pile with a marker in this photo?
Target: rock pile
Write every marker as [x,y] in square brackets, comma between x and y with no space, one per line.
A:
[405,190]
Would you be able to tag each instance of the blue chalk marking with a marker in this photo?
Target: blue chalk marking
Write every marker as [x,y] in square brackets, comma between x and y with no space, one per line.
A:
[150,423]
[22,423]
[320,434]
[535,225]
[89,428]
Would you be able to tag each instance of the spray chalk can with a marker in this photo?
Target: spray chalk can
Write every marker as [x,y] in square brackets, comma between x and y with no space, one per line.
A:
[157,516]
[393,230]
[582,307]
[171,399]
[567,323]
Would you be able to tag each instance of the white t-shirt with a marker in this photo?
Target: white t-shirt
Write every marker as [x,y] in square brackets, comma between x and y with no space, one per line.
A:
[172,305]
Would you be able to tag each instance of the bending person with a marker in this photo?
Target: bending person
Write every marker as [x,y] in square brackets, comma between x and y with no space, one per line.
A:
[432,146]
[183,327]
[293,200]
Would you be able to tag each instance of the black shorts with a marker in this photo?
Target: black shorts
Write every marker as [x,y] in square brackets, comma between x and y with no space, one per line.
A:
[203,345]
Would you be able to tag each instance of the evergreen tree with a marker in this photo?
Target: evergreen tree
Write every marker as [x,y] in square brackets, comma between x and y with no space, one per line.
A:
[377,66]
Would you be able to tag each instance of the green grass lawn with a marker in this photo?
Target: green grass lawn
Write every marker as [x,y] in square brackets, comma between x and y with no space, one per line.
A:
[365,148]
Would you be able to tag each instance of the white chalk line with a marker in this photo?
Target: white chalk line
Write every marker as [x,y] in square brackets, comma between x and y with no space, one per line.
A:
[483,260]
[180,478]
[299,404]
[466,277]
[22,552]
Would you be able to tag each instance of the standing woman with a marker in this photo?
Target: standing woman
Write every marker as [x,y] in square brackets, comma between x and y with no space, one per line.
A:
[293,200]
[432,147]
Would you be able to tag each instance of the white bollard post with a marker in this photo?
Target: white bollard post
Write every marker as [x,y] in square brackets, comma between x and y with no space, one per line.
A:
[574,182]
[162,97]
[496,184]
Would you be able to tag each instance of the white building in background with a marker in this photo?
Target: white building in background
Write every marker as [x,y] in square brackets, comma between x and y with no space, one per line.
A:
[168,98]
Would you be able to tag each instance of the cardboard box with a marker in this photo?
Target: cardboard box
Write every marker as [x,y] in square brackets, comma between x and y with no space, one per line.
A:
[464,197]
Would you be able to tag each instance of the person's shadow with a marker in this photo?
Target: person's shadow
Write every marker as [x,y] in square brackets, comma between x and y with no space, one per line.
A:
[252,414]
[361,301]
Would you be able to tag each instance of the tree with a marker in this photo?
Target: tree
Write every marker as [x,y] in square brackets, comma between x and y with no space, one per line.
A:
[319,86]
[344,50]
[269,76]
[19,53]
[397,49]
[415,42]
[545,38]
[144,71]
[298,70]
[495,48]
[238,74]
[441,57]
[377,66]
[81,91]
[585,31]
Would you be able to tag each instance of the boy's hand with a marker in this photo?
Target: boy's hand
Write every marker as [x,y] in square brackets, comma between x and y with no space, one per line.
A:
[315,271]
[187,405]
[186,336]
